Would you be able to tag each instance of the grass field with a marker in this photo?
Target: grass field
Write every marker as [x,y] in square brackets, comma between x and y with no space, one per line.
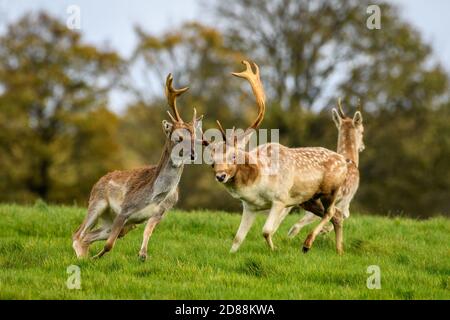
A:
[189,259]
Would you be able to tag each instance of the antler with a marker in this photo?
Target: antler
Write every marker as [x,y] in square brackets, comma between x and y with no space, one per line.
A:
[222,131]
[359,106]
[258,90]
[172,95]
[341,112]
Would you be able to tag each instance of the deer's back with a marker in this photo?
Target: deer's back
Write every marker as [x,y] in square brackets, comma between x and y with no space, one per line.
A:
[115,186]
[295,175]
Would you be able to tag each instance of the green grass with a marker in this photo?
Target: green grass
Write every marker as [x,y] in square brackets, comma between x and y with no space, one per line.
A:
[189,259]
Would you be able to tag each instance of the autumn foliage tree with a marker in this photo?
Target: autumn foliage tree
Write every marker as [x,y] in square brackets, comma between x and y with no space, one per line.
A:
[57,135]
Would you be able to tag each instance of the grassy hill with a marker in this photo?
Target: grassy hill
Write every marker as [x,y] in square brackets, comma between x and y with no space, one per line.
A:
[189,259]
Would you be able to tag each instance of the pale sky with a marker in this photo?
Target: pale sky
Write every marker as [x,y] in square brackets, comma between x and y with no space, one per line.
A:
[111,22]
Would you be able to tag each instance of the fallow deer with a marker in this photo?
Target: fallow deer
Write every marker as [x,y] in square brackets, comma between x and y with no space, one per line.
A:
[350,143]
[122,199]
[302,175]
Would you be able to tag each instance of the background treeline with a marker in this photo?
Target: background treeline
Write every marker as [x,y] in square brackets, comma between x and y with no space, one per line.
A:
[58,134]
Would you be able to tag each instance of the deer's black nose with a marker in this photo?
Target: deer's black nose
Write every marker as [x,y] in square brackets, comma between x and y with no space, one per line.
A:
[221,177]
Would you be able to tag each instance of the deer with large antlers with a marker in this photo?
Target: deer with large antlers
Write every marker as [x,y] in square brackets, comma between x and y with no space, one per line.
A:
[350,144]
[301,175]
[122,199]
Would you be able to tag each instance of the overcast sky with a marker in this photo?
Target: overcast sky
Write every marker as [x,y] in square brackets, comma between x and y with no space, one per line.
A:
[111,22]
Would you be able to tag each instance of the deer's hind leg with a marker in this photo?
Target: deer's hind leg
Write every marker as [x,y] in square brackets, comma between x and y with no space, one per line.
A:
[328,202]
[314,210]
[96,235]
[338,223]
[116,229]
[95,210]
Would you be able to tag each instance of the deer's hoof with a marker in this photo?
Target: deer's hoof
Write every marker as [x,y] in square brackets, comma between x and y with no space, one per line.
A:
[143,257]
[305,249]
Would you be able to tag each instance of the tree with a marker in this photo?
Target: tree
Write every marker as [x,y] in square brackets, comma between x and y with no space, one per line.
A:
[306,45]
[303,44]
[407,92]
[197,56]
[57,136]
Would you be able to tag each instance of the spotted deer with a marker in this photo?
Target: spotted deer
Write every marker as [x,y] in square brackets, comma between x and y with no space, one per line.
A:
[122,199]
[350,144]
[273,178]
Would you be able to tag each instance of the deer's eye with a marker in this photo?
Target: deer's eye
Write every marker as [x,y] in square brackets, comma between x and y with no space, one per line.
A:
[180,138]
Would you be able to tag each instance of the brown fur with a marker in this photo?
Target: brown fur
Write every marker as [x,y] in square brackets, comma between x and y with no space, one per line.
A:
[350,143]
[122,199]
[298,175]
[246,174]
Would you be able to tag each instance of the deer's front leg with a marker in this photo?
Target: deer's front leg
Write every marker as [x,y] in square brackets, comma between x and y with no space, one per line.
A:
[276,215]
[248,217]
[151,224]
[116,229]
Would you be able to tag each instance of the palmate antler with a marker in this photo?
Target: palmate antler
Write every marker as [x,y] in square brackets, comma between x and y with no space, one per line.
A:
[172,94]
[258,90]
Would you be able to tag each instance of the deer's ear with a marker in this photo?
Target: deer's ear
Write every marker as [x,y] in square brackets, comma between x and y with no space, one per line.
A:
[336,118]
[167,127]
[357,118]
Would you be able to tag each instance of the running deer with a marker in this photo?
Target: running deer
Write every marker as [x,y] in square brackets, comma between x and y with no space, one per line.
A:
[302,175]
[350,143]
[122,199]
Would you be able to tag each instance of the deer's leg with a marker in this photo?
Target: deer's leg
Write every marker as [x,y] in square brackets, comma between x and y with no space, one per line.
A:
[96,235]
[338,223]
[95,210]
[315,209]
[248,217]
[305,220]
[276,215]
[283,215]
[329,205]
[326,229]
[151,224]
[116,229]
[126,229]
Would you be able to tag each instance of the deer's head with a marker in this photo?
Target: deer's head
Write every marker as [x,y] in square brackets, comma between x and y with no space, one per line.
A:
[229,153]
[352,127]
[181,135]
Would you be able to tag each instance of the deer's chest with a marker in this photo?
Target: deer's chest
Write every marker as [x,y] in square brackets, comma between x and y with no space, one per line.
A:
[257,197]
[145,213]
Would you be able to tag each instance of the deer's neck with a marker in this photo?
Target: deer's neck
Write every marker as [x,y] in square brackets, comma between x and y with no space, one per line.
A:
[167,174]
[347,146]
[246,174]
